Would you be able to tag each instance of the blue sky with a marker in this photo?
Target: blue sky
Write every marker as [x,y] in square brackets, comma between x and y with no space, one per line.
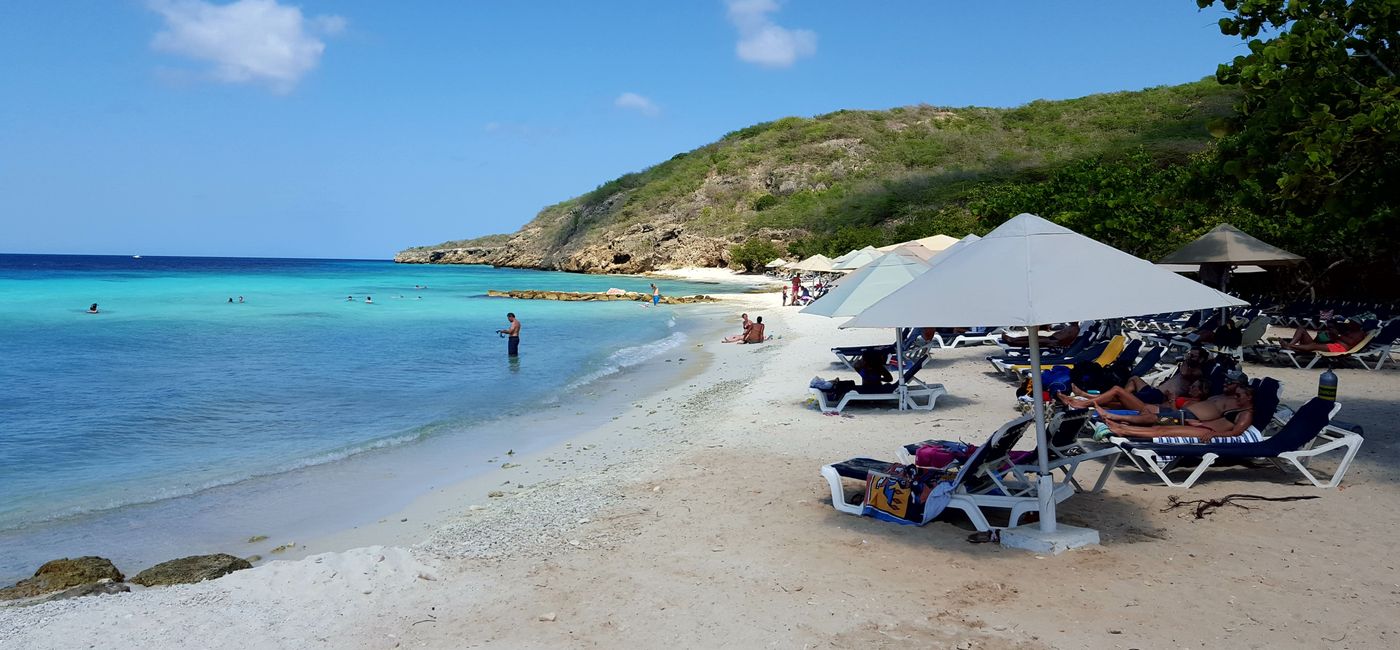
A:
[356,128]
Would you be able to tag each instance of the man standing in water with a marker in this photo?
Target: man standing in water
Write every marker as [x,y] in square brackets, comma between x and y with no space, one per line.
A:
[513,335]
[655,295]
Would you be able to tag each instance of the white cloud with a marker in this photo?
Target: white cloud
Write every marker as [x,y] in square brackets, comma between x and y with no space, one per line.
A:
[635,102]
[763,41]
[246,41]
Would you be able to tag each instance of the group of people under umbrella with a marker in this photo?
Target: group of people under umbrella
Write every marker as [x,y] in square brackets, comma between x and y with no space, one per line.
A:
[1022,275]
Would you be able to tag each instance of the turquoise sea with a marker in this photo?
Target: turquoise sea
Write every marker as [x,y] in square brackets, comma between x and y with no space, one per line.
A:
[171,391]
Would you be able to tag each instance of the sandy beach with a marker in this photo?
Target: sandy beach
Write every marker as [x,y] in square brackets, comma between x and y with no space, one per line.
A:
[697,518]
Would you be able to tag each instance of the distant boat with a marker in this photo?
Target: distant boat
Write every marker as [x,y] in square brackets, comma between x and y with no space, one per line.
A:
[135,257]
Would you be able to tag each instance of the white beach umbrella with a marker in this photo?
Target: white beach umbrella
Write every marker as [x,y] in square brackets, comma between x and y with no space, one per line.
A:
[858,259]
[916,250]
[852,294]
[1028,272]
[936,242]
[776,263]
[841,258]
[818,263]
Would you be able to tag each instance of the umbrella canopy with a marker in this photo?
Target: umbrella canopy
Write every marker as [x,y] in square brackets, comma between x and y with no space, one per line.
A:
[856,260]
[852,294]
[1193,268]
[944,254]
[1026,273]
[912,249]
[819,263]
[1227,244]
[936,242]
[776,263]
[1029,272]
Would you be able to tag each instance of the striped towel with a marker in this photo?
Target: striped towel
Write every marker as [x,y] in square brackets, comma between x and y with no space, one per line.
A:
[1250,435]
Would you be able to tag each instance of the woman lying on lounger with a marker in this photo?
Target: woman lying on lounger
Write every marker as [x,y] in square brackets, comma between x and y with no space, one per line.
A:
[1331,338]
[1224,416]
[1138,395]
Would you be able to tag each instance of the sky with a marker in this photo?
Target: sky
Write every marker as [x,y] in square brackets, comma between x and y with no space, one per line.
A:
[277,128]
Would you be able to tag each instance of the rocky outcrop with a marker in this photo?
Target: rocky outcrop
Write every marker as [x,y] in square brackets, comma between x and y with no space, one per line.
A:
[572,296]
[186,570]
[65,574]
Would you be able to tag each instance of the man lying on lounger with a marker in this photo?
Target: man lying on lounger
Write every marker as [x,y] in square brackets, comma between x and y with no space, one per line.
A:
[1224,416]
[1062,338]
[1137,394]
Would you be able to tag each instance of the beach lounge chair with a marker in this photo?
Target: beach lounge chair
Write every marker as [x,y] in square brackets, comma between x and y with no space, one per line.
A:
[973,337]
[1380,348]
[915,394]
[1107,353]
[978,486]
[1293,355]
[1066,451]
[850,354]
[1293,443]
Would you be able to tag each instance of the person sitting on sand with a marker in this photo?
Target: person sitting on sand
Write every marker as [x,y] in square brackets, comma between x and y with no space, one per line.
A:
[755,332]
[1331,338]
[1224,416]
[1219,412]
[1061,338]
[92,309]
[748,324]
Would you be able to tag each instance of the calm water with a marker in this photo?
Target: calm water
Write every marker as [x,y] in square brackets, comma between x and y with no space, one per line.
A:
[171,390]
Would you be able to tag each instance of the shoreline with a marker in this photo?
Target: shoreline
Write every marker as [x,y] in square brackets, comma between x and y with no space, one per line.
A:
[267,506]
[707,519]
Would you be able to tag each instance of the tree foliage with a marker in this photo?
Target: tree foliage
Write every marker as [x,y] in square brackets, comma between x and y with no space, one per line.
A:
[754,253]
[1315,143]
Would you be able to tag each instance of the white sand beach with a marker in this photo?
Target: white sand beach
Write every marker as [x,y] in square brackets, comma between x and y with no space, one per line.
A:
[697,518]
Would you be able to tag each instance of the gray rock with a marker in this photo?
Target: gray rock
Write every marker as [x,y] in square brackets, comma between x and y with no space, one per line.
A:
[62,574]
[196,568]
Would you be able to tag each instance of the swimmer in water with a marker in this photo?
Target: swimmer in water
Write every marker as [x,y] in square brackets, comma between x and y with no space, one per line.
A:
[349,298]
[369,300]
[92,309]
[240,299]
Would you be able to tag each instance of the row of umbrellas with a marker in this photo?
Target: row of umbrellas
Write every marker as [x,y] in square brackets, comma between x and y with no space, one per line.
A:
[1224,250]
[1027,273]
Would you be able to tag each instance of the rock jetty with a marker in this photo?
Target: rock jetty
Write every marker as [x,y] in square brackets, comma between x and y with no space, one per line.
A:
[587,296]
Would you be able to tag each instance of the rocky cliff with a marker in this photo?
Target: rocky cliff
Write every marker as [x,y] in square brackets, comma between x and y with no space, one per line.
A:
[797,177]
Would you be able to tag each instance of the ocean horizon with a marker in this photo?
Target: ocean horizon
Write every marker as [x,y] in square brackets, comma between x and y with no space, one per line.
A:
[172,391]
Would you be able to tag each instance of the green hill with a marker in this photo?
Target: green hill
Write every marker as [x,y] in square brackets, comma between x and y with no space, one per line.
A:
[1110,164]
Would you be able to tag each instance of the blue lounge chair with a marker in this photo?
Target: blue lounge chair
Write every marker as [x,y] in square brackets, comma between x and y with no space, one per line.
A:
[916,395]
[1293,443]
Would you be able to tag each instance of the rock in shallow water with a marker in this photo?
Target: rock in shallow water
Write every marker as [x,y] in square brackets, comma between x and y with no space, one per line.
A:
[196,568]
[63,574]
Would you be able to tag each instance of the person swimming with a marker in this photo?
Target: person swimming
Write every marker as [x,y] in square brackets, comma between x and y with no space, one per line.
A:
[92,309]
[349,298]
[369,300]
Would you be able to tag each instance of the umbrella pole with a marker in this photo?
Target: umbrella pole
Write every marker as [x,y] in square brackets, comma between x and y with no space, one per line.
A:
[1046,488]
[899,367]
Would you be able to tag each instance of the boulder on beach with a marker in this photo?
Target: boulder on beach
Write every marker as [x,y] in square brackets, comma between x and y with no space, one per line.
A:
[66,573]
[186,570]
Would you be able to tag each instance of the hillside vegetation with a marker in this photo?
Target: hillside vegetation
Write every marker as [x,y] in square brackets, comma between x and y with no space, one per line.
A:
[850,178]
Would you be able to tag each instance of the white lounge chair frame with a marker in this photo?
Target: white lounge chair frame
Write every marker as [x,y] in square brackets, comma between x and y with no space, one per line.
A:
[918,397]
[1147,459]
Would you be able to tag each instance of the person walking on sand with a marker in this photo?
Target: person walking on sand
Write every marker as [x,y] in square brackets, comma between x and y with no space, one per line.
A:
[796,289]
[512,335]
[655,295]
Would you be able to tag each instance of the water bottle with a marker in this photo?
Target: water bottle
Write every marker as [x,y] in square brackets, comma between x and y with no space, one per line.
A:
[1327,385]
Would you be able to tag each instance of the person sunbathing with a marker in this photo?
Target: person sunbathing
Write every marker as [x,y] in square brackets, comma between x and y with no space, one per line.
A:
[1061,338]
[1224,416]
[748,324]
[1331,338]
[1136,393]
